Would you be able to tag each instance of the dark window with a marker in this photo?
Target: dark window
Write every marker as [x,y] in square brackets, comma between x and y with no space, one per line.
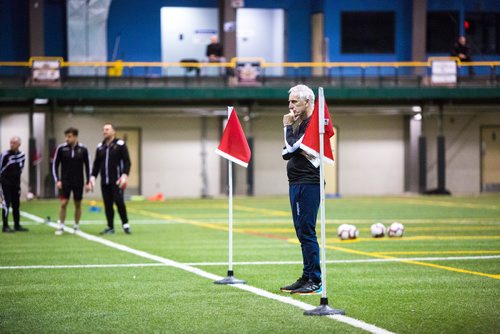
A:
[442,31]
[368,32]
[483,32]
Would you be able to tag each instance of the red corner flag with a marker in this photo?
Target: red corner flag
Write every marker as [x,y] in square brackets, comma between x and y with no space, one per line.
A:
[310,142]
[233,145]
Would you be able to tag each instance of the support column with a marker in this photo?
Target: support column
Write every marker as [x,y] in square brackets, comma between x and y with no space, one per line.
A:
[412,133]
[204,172]
[422,164]
[37,32]
[227,18]
[50,187]
[441,156]
[32,177]
[248,121]
[419,41]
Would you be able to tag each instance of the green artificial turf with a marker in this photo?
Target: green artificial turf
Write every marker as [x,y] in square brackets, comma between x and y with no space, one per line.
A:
[444,295]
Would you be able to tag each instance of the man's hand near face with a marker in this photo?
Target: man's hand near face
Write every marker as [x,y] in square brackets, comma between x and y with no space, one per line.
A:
[289,118]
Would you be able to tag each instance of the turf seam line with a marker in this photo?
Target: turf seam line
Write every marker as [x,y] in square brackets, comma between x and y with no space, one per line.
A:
[288,300]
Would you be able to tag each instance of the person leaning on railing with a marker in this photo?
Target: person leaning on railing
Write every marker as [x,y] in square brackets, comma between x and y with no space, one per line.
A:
[462,51]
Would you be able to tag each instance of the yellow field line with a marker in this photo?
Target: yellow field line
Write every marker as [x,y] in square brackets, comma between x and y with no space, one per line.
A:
[332,228]
[264,211]
[434,202]
[456,228]
[456,237]
[425,264]
[178,219]
[424,202]
[343,249]
[417,238]
[441,252]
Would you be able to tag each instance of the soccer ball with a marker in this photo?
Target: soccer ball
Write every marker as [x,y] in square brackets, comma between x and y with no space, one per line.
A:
[346,231]
[353,232]
[30,196]
[377,230]
[396,230]
[343,232]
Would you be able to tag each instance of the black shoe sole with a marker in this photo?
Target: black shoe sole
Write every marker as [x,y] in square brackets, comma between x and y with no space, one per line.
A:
[305,293]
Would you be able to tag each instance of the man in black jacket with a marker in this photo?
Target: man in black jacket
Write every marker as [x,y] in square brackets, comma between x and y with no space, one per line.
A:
[214,50]
[462,51]
[11,166]
[112,161]
[73,157]
[304,191]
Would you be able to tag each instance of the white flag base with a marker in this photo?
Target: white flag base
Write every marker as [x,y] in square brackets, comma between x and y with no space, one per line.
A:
[230,279]
[324,309]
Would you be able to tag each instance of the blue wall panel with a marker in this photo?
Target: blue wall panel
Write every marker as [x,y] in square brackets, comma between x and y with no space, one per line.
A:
[14,30]
[403,17]
[138,25]
[55,29]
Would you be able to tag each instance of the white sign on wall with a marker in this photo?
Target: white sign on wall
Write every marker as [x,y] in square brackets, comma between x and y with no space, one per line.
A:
[45,72]
[444,72]
[237,3]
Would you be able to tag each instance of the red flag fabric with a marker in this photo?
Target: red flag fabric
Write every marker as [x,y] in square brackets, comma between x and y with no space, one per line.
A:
[310,142]
[233,145]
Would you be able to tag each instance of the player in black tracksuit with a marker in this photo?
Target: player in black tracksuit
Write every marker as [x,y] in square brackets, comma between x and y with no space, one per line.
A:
[73,158]
[112,161]
[11,166]
[304,189]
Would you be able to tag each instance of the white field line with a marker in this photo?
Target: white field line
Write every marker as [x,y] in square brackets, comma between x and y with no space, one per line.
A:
[288,300]
[103,223]
[255,263]
[85,266]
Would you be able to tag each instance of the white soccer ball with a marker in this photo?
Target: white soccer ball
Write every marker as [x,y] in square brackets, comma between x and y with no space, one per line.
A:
[377,230]
[396,230]
[343,232]
[353,232]
[30,196]
[346,232]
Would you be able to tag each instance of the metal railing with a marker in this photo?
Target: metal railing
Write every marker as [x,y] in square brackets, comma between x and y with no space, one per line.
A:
[376,74]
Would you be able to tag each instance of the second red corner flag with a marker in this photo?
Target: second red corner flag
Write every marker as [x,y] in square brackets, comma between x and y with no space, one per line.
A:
[233,144]
[310,143]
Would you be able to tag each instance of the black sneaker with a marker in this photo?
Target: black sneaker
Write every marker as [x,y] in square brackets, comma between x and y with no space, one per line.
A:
[298,284]
[19,228]
[126,228]
[310,288]
[7,229]
[108,230]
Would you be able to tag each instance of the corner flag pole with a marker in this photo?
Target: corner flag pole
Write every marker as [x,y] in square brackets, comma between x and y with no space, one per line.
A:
[230,279]
[322,187]
[230,186]
[323,309]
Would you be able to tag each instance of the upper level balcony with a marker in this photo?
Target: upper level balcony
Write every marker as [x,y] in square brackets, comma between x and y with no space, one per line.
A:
[189,82]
